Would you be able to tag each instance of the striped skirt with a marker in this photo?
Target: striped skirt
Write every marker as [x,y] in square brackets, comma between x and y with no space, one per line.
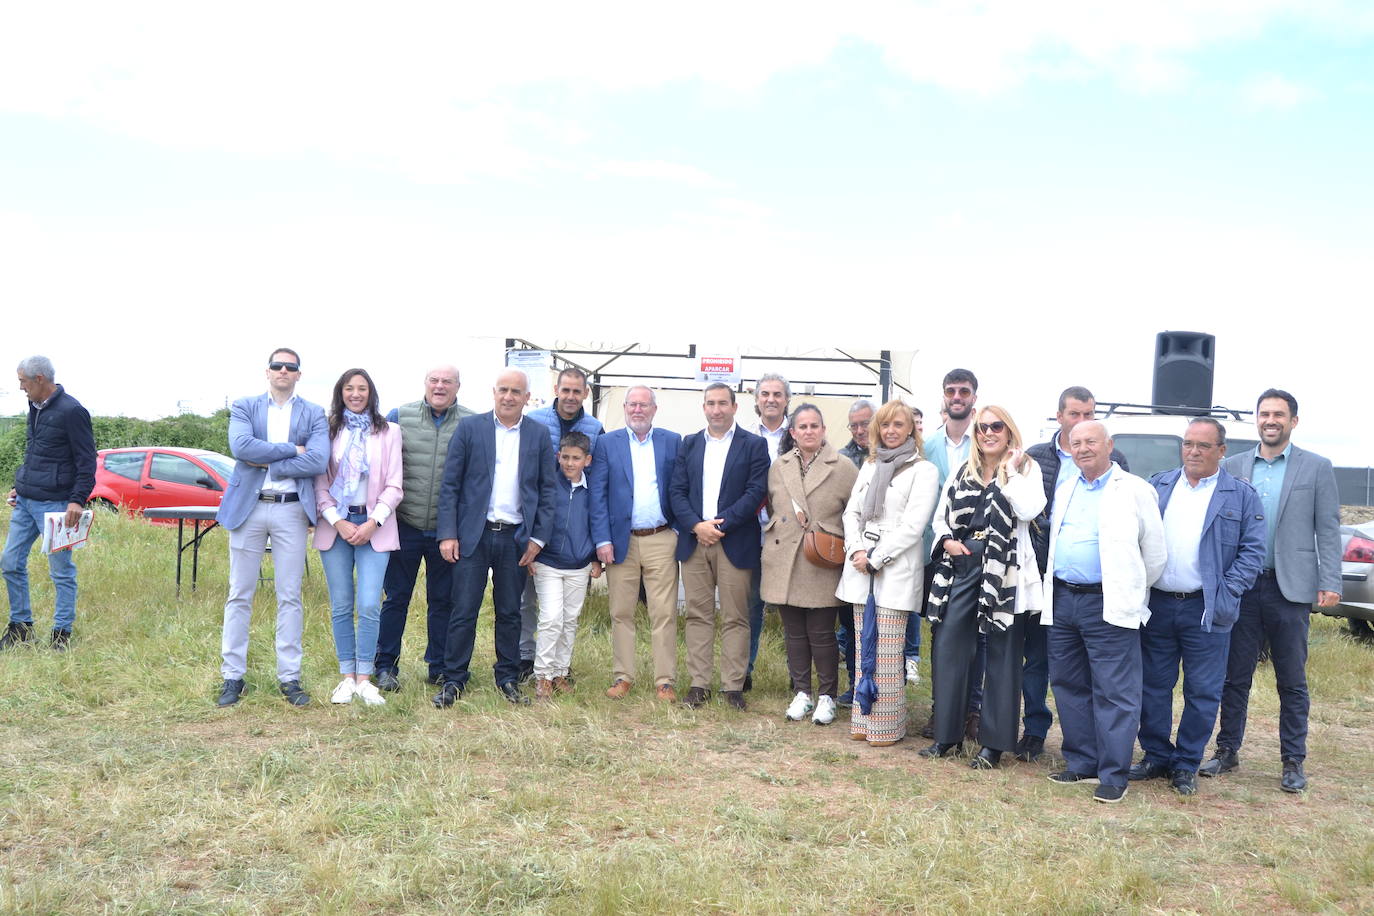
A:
[887,720]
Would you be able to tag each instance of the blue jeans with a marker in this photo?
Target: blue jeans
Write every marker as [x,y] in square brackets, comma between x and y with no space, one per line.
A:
[1174,634]
[26,526]
[401,570]
[356,647]
[496,553]
[1035,679]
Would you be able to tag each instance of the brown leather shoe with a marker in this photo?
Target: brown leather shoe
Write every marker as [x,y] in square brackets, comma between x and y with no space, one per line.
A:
[666,693]
[696,697]
[619,690]
[734,698]
[543,689]
[858,736]
[971,726]
[562,685]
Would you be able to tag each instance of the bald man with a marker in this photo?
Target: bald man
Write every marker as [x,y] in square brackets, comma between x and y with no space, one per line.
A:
[426,425]
[496,505]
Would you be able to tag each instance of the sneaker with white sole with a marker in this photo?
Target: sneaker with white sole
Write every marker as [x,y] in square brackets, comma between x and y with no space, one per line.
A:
[800,708]
[343,693]
[825,710]
[369,694]
[913,671]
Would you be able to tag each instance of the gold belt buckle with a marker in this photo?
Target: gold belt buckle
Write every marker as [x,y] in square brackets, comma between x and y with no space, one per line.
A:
[981,534]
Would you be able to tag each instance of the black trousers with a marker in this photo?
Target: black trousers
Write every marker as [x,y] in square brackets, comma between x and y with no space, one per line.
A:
[955,664]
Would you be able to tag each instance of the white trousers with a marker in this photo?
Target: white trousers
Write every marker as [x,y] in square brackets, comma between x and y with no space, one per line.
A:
[561,593]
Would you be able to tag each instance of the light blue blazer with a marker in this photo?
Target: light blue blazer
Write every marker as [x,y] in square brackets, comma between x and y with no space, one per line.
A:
[248,442]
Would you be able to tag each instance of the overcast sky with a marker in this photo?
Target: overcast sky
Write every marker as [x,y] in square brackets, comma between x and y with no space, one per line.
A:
[1029,189]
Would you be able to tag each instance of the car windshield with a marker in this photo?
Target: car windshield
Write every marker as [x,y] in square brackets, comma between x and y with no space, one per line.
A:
[223,465]
[1150,454]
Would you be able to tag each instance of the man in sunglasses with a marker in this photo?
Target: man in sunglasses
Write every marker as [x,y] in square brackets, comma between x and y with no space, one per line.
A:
[1076,404]
[281,442]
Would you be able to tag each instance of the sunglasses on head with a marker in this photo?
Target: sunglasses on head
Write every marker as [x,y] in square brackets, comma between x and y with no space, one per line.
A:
[289,367]
[996,426]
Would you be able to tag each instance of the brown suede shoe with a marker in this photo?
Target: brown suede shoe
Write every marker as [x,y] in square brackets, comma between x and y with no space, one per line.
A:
[666,693]
[543,689]
[619,690]
[562,685]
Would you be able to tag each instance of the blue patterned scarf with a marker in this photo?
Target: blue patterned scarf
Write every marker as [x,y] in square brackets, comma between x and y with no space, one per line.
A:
[353,464]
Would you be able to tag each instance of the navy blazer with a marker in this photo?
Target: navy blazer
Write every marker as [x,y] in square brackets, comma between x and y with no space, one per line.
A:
[465,493]
[610,477]
[1231,552]
[743,488]
[248,442]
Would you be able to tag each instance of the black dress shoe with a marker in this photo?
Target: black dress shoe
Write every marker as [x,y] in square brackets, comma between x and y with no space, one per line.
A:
[15,634]
[1147,770]
[294,694]
[734,697]
[1294,779]
[696,697]
[60,639]
[986,759]
[229,693]
[436,679]
[1030,748]
[748,683]
[450,694]
[525,671]
[388,681]
[1184,782]
[940,750]
[512,693]
[1223,761]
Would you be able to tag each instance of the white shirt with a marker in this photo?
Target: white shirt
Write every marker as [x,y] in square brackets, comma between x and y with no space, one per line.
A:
[1183,520]
[279,430]
[713,471]
[773,438]
[505,477]
[647,510]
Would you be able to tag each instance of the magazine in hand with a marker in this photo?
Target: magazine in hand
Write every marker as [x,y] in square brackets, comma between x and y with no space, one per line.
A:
[57,536]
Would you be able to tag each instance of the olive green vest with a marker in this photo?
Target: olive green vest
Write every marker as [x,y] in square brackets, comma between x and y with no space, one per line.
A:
[424,448]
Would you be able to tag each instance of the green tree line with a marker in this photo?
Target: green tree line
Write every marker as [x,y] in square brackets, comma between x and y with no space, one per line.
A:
[184,431]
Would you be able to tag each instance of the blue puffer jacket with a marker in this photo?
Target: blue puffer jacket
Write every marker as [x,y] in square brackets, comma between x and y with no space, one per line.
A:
[548,416]
[59,459]
[571,545]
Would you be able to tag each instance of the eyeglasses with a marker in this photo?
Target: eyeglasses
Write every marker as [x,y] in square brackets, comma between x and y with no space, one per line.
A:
[996,426]
[289,367]
[962,392]
[858,426]
[1191,446]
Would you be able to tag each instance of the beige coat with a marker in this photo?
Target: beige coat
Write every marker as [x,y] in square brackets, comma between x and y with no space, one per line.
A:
[788,576]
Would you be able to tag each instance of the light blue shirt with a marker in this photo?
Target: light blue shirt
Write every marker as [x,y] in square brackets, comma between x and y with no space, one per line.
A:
[954,455]
[1076,557]
[647,511]
[1267,478]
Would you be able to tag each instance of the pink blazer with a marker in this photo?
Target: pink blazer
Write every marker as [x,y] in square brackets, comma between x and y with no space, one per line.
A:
[383,486]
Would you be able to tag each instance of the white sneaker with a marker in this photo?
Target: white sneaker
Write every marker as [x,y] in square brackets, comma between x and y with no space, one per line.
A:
[343,693]
[369,693]
[825,710]
[801,705]
[913,671]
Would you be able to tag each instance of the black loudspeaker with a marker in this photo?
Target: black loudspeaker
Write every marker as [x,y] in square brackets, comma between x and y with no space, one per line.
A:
[1184,363]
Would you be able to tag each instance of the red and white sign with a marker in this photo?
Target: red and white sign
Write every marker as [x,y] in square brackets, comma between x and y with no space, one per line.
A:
[718,369]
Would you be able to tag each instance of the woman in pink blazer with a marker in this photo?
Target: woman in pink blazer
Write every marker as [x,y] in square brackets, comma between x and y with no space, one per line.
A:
[357,495]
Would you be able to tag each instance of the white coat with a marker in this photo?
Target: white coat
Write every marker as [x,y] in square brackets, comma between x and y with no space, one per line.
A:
[895,542]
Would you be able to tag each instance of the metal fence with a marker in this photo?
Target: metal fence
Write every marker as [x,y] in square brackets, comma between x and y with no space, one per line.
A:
[1356,486]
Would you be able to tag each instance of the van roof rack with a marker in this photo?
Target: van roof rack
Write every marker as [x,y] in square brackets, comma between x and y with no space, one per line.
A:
[1116,408]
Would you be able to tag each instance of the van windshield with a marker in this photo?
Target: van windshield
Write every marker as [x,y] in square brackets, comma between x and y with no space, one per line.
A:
[1149,454]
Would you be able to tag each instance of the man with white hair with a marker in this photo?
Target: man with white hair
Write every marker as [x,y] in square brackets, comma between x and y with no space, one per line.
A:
[57,475]
[496,507]
[772,394]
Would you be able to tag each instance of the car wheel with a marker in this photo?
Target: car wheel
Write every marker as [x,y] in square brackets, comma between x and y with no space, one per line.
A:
[1362,630]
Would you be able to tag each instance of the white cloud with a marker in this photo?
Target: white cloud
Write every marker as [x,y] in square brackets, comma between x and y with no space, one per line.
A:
[659,170]
[1274,92]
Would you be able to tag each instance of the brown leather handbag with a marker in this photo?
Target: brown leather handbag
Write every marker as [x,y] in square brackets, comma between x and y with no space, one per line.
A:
[823,549]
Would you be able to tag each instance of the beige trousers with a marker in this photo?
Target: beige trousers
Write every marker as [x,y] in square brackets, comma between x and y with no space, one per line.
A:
[651,559]
[705,571]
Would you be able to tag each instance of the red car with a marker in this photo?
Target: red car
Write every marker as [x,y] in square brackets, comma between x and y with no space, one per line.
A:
[159,476]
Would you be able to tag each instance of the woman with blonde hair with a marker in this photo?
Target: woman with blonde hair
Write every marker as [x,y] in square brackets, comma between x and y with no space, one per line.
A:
[986,582]
[884,525]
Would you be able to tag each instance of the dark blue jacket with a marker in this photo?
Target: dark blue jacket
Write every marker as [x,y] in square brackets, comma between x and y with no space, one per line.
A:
[570,543]
[611,478]
[466,490]
[743,487]
[59,458]
[1231,553]
[548,416]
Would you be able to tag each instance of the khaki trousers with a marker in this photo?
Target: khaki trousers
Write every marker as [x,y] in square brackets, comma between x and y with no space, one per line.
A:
[705,571]
[650,559]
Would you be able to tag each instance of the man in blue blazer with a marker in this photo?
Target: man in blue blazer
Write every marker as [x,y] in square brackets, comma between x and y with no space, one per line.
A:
[719,482]
[495,514]
[632,525]
[281,442]
[1302,566]
[1214,534]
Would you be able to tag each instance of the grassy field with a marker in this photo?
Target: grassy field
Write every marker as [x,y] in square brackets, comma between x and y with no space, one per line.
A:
[122,789]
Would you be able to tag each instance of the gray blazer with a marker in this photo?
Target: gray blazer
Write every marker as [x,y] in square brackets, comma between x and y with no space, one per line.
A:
[248,442]
[1307,536]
